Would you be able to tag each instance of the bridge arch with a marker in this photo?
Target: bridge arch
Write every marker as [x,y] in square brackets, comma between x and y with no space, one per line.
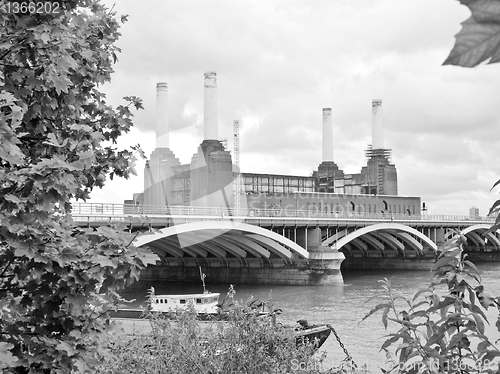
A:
[389,226]
[215,231]
[479,226]
[482,228]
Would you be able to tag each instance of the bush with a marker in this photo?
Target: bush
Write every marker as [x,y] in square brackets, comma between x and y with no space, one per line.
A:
[246,343]
[441,329]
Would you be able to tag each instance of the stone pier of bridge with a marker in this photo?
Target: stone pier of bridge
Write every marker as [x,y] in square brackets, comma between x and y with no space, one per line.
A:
[236,252]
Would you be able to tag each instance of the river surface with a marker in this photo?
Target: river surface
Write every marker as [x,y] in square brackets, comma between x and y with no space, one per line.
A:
[342,306]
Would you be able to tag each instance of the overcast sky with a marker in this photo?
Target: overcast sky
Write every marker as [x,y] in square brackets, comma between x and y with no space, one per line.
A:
[279,63]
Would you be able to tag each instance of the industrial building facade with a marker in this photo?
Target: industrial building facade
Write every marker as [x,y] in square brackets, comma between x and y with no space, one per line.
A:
[209,179]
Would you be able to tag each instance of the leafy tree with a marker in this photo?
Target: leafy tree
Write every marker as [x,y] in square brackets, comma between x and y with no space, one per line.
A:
[57,137]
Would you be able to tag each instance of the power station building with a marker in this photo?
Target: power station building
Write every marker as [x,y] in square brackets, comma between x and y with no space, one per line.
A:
[209,179]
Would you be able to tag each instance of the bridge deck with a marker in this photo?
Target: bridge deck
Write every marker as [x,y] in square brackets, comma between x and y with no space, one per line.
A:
[97,213]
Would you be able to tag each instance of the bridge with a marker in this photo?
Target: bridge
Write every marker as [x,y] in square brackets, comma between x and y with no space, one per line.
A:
[287,246]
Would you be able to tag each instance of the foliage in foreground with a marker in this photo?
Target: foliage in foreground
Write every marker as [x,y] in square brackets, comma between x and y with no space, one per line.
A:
[442,328]
[57,135]
[245,344]
[479,39]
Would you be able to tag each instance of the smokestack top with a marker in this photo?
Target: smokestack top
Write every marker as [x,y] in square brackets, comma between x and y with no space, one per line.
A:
[327,110]
[210,79]
[161,86]
[376,102]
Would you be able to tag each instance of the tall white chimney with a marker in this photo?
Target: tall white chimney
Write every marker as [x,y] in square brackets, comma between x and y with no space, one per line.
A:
[377,125]
[162,115]
[327,135]
[210,125]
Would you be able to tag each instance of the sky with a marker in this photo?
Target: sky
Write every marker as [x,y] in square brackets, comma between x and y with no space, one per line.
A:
[280,62]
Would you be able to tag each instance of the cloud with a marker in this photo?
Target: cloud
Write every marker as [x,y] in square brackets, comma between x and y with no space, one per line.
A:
[280,62]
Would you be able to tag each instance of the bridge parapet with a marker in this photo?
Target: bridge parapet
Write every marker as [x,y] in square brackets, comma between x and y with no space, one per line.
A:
[93,212]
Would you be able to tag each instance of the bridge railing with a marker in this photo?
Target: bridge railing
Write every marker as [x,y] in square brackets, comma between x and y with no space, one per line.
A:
[107,210]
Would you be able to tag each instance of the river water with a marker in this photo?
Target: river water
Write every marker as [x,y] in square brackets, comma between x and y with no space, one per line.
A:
[342,306]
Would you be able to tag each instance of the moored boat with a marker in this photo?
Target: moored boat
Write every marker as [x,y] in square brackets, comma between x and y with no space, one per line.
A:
[203,303]
[311,334]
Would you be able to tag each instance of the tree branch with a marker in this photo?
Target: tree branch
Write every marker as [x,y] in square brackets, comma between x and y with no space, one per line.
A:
[6,267]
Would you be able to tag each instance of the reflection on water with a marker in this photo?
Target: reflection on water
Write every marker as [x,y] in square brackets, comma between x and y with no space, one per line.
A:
[342,306]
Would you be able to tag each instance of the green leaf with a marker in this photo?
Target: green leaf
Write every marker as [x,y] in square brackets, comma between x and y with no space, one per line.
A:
[54,142]
[104,261]
[45,37]
[390,341]
[384,317]
[421,291]
[441,305]
[12,198]
[24,251]
[478,310]
[420,313]
[64,346]
[479,39]
[494,185]
[61,84]
[433,353]
[473,267]
[485,299]
[376,308]
[85,160]
[459,340]
[490,355]
[7,359]
[494,228]
[483,346]
[494,207]
[444,261]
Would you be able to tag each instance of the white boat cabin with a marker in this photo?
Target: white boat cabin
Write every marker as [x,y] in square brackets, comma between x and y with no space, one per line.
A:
[202,303]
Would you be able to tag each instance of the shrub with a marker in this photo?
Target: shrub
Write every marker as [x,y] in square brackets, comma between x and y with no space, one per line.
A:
[245,343]
[441,329]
